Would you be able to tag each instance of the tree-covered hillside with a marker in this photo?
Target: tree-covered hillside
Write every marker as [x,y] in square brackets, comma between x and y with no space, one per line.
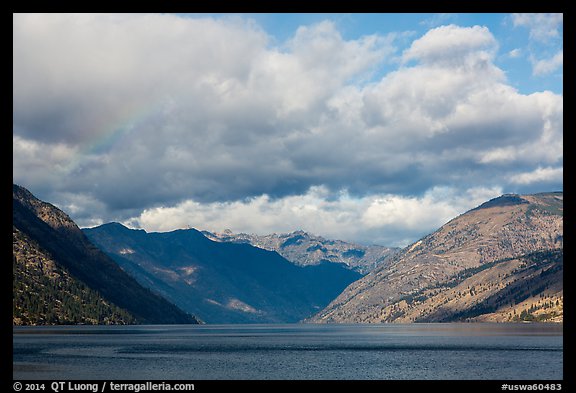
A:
[46,294]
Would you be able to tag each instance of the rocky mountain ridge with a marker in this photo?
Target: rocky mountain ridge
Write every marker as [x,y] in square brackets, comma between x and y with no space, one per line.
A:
[305,249]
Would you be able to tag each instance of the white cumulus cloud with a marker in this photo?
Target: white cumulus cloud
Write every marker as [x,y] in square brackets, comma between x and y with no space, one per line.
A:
[539,175]
[542,27]
[547,66]
[371,219]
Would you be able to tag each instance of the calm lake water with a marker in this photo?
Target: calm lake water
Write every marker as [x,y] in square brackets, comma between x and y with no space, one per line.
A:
[290,352]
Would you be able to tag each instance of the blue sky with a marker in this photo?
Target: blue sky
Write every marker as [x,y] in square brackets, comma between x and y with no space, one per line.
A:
[375,128]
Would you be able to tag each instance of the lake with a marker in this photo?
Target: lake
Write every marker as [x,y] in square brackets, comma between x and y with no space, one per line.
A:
[290,352]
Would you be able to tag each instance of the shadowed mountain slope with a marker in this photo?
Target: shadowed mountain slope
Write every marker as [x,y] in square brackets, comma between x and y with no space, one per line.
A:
[222,282]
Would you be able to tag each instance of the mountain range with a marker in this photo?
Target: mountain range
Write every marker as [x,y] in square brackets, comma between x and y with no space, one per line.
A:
[222,282]
[501,261]
[305,249]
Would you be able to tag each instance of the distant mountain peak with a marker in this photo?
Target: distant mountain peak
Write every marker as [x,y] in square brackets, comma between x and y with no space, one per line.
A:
[304,249]
[503,200]
[117,226]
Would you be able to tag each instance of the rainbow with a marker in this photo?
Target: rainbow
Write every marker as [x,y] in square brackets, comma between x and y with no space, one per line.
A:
[115,133]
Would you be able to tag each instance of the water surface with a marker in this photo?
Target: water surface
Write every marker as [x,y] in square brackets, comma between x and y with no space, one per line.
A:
[290,352]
